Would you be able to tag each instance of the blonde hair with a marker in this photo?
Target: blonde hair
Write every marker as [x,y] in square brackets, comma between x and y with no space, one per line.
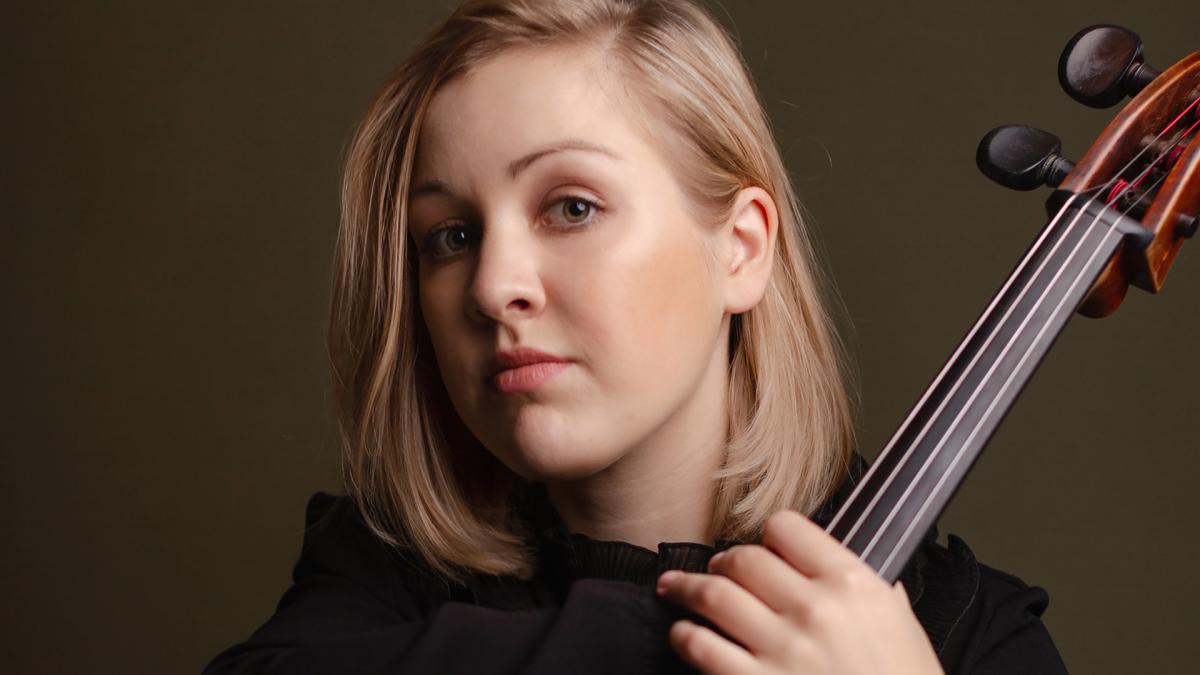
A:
[418,477]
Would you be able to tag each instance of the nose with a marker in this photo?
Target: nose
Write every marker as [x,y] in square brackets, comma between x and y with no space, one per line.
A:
[507,284]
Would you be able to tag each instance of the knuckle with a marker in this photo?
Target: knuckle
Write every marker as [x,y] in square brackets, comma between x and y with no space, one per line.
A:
[815,613]
[712,594]
[850,579]
[818,613]
[860,582]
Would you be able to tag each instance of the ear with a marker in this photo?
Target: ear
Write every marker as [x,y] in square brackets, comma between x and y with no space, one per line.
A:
[749,245]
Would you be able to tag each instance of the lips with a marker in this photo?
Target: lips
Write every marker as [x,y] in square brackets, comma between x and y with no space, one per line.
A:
[522,356]
[523,369]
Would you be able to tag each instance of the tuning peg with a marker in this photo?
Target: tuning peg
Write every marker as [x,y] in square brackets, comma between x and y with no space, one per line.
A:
[1022,158]
[1186,225]
[1103,64]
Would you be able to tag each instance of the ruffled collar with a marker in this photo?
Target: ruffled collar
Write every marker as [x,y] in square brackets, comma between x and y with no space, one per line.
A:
[566,556]
[569,556]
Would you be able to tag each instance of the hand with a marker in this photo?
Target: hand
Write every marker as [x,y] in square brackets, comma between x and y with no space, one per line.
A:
[800,603]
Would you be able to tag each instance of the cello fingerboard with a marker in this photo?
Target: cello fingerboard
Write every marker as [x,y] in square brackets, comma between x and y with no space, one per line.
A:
[909,485]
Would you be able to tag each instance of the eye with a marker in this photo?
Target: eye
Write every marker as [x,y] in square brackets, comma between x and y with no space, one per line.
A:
[447,241]
[574,210]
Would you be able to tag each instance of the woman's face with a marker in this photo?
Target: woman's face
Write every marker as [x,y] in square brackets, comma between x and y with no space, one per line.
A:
[547,221]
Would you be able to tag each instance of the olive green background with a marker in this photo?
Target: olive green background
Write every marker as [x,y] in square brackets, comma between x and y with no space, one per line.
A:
[169,211]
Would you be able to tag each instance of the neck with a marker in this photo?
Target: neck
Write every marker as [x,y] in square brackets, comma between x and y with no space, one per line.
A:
[662,490]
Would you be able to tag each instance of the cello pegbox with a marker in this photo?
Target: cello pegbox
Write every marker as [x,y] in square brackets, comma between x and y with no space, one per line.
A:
[1153,144]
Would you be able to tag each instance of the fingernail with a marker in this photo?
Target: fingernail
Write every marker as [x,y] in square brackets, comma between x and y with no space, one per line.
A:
[665,580]
[713,560]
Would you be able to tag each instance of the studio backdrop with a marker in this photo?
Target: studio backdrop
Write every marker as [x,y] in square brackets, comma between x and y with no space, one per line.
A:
[169,211]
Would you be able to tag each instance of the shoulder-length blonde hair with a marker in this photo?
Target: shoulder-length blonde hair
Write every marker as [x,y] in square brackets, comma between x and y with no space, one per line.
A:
[419,478]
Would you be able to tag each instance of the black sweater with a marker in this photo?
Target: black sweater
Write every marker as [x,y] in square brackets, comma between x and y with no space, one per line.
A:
[358,607]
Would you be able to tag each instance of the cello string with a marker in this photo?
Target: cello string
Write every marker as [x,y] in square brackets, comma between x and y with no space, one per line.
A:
[1029,351]
[978,389]
[1033,250]
[979,424]
[846,504]
[1133,185]
[983,318]
[946,399]
[987,377]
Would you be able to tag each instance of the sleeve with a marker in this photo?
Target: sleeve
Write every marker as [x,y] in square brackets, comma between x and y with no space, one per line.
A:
[343,616]
[1011,637]
[980,620]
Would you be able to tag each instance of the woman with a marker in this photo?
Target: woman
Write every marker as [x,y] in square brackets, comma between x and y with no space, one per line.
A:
[579,348]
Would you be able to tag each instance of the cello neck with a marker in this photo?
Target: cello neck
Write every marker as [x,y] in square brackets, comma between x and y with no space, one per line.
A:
[909,485]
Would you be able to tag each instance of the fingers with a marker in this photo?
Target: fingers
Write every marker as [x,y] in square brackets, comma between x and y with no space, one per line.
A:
[707,651]
[807,547]
[770,578]
[730,607]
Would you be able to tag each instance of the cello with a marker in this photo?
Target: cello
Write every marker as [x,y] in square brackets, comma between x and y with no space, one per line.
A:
[1117,217]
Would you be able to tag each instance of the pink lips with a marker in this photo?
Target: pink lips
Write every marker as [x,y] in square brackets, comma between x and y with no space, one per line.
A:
[524,369]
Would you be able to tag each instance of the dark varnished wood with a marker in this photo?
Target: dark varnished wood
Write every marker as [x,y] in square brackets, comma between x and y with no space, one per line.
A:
[1084,261]
[1179,197]
[1144,117]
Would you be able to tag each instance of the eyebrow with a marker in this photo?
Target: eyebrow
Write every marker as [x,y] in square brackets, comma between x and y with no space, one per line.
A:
[517,166]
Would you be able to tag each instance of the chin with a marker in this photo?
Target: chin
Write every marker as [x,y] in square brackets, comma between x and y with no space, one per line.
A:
[553,462]
[544,443]
[557,459]
[563,469]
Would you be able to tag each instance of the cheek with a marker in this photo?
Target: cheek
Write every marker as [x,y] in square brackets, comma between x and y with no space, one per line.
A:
[649,308]
[441,313]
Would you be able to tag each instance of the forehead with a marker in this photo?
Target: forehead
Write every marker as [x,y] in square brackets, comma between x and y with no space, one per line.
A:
[525,98]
